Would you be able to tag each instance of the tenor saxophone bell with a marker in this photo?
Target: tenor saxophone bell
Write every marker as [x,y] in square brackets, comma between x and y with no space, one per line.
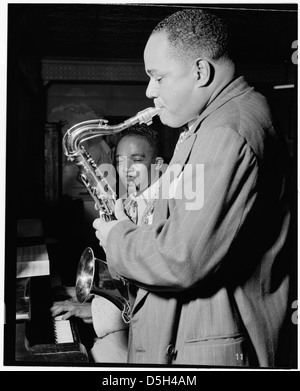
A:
[94,278]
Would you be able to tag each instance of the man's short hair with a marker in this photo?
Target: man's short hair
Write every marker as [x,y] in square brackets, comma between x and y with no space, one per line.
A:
[196,33]
[146,132]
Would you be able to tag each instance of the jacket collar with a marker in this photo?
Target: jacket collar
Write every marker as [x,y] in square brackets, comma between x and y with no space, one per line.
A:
[237,87]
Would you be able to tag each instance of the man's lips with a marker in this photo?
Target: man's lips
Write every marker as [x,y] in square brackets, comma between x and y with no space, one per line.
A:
[131,183]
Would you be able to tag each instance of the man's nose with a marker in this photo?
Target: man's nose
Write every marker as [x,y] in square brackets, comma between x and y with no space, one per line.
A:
[129,168]
[151,91]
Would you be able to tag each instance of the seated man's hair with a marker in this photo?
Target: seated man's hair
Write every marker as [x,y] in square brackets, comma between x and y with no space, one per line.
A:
[145,131]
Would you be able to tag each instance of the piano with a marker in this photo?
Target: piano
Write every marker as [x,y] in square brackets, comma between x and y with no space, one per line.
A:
[44,339]
[39,338]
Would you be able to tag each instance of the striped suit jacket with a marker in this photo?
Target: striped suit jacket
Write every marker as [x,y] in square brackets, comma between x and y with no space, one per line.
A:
[212,271]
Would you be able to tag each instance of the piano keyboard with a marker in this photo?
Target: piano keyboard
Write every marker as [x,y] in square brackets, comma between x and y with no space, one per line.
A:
[49,339]
[62,330]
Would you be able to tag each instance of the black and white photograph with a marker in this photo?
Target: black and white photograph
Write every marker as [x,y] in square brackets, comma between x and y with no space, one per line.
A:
[150,189]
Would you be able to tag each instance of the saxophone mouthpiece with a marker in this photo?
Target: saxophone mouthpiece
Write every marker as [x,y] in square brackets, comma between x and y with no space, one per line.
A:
[145,116]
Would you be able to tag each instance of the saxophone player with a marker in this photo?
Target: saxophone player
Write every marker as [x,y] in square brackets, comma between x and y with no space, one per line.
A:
[213,276]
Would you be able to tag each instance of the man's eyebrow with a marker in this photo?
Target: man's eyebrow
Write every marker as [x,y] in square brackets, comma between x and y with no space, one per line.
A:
[151,72]
[138,154]
[132,155]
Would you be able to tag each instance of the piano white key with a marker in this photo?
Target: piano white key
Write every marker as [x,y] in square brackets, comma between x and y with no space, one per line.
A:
[62,330]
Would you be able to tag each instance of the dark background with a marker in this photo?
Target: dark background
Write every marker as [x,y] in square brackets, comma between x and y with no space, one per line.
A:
[263,35]
[261,32]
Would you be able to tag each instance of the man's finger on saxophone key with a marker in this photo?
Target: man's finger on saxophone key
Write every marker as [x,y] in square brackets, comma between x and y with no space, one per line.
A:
[102,229]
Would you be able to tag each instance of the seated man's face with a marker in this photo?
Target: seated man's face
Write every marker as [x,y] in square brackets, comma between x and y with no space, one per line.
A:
[135,163]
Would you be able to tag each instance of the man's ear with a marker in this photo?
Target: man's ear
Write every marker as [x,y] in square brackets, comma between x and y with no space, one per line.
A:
[159,161]
[203,71]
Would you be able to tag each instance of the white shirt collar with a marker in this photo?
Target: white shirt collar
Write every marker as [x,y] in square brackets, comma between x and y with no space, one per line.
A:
[192,123]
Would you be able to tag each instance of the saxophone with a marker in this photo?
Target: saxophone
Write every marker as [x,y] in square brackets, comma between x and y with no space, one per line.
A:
[104,197]
[95,182]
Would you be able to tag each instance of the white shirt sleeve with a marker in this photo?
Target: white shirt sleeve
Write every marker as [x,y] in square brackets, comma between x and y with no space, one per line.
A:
[107,318]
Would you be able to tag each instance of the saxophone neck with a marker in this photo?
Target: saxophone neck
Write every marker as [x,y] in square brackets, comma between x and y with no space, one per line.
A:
[86,130]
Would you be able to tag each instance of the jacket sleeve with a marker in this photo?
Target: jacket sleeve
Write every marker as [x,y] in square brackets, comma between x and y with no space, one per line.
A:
[187,245]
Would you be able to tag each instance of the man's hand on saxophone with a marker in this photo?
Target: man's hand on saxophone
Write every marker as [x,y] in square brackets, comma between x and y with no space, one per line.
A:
[103,227]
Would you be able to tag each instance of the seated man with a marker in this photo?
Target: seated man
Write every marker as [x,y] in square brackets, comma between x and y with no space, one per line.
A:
[139,167]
